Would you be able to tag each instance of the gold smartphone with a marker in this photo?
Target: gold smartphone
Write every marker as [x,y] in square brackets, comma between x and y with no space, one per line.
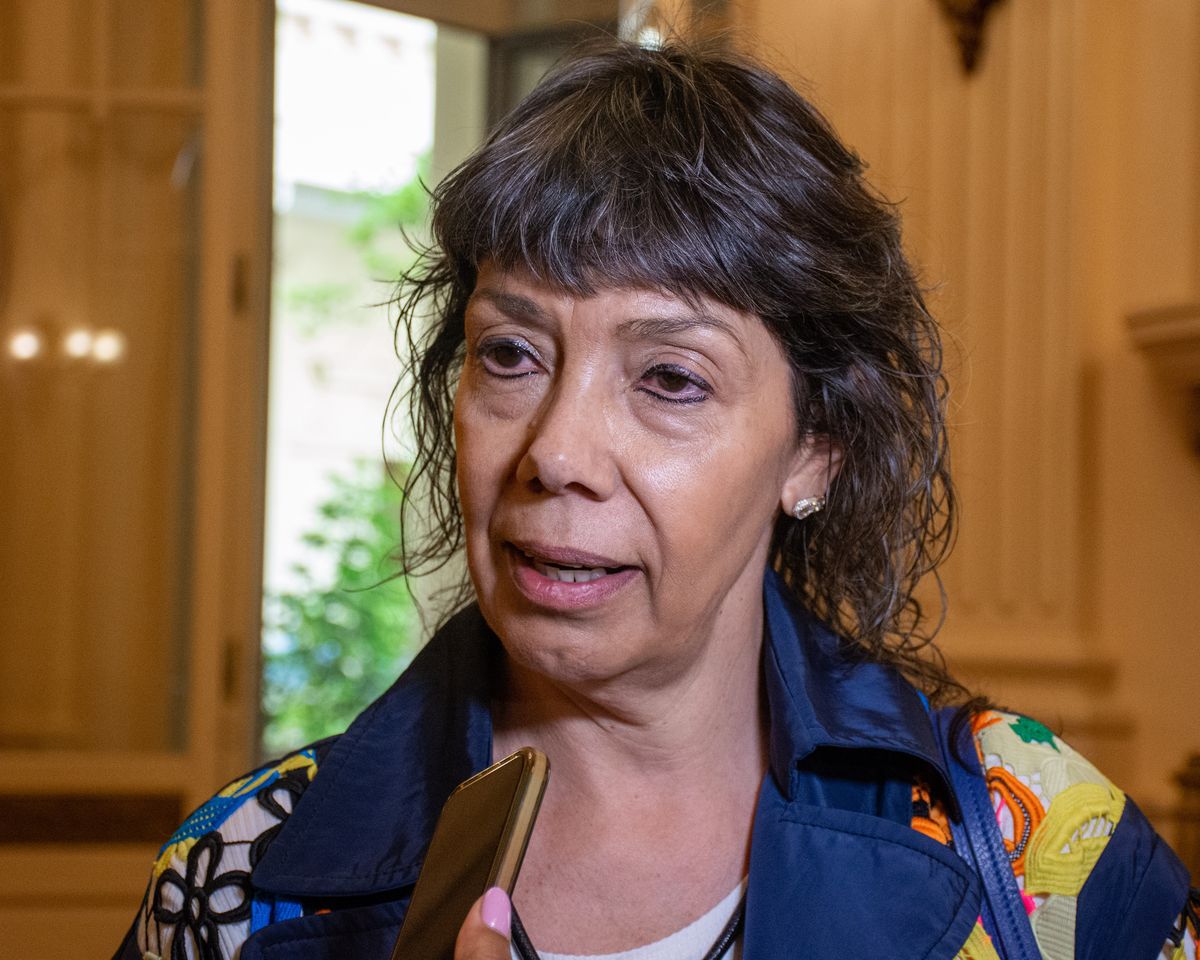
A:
[478,843]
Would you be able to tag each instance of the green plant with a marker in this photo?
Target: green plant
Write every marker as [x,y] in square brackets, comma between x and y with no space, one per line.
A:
[381,235]
[342,634]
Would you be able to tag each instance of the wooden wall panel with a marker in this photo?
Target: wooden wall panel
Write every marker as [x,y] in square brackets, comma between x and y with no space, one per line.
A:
[1147,505]
[981,169]
[92,500]
[70,901]
[1045,195]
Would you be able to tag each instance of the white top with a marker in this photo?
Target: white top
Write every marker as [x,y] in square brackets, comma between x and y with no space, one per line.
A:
[690,943]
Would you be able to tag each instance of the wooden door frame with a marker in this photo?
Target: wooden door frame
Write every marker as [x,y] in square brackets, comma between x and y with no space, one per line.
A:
[98,877]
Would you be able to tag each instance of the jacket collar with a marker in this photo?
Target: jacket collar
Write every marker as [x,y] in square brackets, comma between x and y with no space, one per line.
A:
[366,820]
[819,696]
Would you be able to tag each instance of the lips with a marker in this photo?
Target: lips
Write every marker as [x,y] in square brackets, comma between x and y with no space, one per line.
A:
[566,578]
[565,556]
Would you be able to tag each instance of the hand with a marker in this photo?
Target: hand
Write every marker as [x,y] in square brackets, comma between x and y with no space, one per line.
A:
[485,932]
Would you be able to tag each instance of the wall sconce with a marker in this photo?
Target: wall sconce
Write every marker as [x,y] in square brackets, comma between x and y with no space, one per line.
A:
[967,19]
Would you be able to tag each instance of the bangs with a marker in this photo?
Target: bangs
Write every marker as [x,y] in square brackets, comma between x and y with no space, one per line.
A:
[627,182]
[583,237]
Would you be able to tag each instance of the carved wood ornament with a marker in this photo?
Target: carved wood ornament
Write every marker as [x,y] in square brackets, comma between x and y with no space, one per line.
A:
[967,19]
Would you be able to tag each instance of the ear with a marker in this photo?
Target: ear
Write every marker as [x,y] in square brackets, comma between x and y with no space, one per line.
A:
[814,466]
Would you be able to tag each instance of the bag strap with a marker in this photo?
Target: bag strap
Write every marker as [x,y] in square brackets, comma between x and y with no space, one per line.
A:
[978,840]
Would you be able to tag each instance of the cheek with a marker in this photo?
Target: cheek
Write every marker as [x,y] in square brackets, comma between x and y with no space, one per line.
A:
[488,448]
[734,453]
[475,468]
[713,502]
[489,424]
[478,487]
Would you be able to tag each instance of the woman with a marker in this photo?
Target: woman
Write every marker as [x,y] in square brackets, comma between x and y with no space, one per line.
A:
[682,404]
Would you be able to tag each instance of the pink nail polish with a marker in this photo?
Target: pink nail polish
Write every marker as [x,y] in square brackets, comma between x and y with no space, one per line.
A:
[497,911]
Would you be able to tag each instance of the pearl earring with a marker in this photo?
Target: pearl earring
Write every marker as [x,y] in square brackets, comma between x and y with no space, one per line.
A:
[807,507]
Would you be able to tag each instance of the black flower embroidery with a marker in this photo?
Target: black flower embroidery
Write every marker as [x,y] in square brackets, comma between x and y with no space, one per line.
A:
[206,900]
[294,782]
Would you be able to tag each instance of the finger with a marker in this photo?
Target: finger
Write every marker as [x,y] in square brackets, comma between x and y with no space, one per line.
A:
[484,934]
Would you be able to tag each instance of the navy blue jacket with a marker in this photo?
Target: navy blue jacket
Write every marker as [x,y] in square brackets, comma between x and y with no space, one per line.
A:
[835,868]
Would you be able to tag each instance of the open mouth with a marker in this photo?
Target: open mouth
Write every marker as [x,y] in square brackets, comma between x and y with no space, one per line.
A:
[570,574]
[561,570]
[566,579]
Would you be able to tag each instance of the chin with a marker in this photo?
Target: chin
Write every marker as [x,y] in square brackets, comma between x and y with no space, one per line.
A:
[561,649]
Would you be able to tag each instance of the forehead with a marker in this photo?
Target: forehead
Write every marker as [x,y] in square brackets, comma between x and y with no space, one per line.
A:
[634,313]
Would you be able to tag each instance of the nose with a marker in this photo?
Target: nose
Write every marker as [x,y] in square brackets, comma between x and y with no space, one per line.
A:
[570,444]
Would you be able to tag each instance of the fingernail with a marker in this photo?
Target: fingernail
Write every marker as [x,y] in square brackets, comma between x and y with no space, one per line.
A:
[497,911]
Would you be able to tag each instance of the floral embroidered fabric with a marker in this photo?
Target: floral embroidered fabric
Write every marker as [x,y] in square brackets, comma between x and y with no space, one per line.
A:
[1055,812]
[199,902]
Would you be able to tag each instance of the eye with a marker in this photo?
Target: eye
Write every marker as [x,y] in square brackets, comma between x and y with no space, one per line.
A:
[507,358]
[675,384]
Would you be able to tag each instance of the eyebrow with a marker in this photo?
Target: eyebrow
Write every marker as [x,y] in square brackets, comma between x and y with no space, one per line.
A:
[660,327]
[665,326]
[512,305]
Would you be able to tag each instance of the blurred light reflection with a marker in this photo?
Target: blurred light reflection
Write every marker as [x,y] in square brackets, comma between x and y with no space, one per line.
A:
[108,346]
[78,343]
[25,344]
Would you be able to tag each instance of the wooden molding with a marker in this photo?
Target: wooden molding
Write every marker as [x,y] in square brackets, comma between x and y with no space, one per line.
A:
[500,17]
[1090,673]
[59,818]
[1170,338]
[491,18]
[49,877]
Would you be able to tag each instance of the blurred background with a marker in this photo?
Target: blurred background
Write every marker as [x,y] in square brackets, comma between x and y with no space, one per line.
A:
[204,205]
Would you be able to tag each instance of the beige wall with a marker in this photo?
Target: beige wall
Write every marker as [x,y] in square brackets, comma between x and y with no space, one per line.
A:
[1047,196]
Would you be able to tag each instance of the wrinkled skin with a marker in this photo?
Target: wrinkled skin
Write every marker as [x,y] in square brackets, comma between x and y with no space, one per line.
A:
[632,426]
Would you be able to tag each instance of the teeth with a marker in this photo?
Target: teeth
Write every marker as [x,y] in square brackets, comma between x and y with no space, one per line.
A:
[568,574]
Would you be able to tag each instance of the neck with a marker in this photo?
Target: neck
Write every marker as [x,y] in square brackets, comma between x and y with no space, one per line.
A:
[703,722]
[654,774]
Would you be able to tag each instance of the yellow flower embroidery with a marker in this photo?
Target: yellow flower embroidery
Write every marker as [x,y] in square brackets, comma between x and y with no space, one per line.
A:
[978,946]
[1070,840]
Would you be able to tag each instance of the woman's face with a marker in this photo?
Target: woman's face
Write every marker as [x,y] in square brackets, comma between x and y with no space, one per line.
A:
[622,459]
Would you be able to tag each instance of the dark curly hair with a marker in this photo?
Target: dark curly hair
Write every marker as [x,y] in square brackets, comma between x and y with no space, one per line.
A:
[698,171]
